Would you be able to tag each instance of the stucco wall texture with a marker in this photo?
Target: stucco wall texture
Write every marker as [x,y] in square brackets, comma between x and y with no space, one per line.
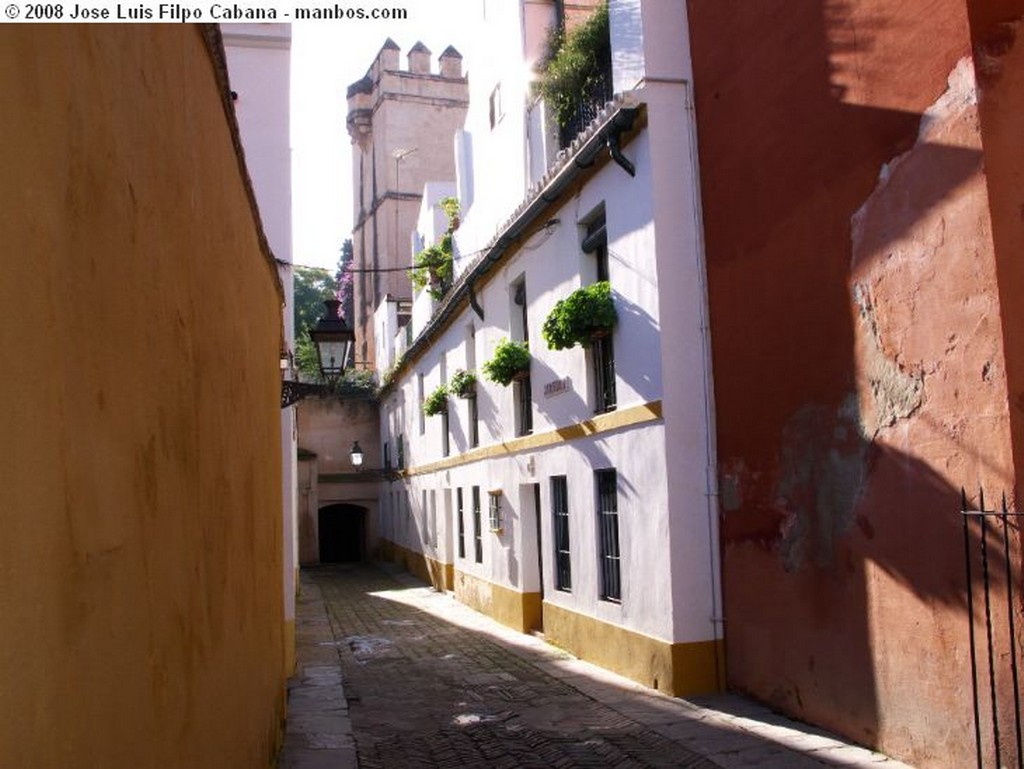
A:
[140,496]
[328,427]
[860,228]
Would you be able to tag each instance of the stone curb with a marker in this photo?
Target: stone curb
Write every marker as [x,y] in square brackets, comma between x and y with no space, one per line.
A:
[318,732]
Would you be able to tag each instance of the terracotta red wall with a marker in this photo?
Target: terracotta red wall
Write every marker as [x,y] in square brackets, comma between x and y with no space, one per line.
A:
[858,344]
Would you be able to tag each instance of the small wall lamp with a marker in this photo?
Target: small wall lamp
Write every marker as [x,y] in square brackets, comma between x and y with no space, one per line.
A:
[356,454]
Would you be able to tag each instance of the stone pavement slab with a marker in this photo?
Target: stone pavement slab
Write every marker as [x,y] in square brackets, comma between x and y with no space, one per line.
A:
[318,733]
[427,682]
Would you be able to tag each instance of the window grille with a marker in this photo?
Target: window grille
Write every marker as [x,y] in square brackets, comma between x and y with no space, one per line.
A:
[524,406]
[462,522]
[478,538]
[602,358]
[560,510]
[494,510]
[474,422]
[608,528]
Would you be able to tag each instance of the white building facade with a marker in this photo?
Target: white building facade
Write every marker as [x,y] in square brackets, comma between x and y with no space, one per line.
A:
[580,501]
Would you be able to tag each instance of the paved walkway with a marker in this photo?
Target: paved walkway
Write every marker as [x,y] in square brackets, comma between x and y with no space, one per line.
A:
[393,675]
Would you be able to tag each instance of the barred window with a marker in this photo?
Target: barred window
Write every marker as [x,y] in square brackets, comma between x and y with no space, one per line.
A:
[608,528]
[478,537]
[460,514]
[560,511]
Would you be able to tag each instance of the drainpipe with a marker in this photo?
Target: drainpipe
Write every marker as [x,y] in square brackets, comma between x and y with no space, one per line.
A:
[711,495]
[616,153]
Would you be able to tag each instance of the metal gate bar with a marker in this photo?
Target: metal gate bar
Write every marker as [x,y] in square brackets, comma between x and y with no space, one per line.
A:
[1001,516]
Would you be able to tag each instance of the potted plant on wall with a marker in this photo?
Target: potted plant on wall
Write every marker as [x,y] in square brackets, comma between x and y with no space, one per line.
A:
[462,383]
[511,361]
[436,402]
[584,315]
[432,268]
[452,209]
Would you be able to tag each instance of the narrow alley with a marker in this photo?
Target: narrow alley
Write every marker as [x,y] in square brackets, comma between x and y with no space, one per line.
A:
[426,682]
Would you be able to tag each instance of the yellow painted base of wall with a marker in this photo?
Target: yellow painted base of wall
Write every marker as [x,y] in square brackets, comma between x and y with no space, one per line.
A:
[682,669]
[439,574]
[519,611]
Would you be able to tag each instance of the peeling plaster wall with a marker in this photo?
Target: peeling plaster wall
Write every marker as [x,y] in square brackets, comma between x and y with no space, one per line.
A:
[862,372]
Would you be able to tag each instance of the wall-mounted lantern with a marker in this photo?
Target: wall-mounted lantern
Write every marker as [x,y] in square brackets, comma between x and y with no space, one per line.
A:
[356,455]
[333,341]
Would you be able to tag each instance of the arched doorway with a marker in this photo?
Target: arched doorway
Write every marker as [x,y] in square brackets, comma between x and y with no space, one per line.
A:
[342,531]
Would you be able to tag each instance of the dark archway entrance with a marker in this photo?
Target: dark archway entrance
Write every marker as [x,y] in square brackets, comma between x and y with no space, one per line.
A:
[342,532]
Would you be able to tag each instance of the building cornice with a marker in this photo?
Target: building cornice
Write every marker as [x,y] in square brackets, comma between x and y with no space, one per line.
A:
[645,413]
[379,201]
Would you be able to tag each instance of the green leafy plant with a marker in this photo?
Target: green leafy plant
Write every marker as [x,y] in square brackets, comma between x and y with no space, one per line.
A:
[509,359]
[452,209]
[462,384]
[577,65]
[580,316]
[432,268]
[436,402]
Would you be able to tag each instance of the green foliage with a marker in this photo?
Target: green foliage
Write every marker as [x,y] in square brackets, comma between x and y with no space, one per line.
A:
[312,286]
[451,208]
[576,318]
[509,359]
[436,402]
[432,268]
[306,361]
[357,381]
[576,66]
[462,384]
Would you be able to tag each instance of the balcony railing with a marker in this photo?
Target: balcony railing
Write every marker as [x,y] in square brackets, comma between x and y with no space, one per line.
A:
[590,105]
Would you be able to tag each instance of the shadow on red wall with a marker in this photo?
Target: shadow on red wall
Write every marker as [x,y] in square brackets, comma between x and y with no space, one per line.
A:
[831,134]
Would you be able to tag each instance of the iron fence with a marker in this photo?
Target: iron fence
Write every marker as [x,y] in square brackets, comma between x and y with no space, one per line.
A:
[1000,642]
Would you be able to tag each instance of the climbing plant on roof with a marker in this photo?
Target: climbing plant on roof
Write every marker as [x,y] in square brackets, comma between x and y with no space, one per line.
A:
[577,66]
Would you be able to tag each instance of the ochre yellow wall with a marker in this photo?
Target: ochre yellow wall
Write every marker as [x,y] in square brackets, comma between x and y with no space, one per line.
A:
[680,669]
[519,611]
[439,574]
[140,499]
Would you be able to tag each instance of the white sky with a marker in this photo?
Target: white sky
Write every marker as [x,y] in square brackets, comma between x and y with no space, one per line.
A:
[326,58]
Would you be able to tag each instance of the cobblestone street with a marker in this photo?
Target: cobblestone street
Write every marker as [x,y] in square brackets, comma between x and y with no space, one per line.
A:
[430,683]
